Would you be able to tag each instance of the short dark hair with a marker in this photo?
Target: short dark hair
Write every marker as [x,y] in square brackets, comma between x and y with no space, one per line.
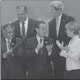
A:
[38,23]
[24,7]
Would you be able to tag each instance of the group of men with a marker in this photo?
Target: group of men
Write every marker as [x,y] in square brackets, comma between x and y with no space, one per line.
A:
[26,53]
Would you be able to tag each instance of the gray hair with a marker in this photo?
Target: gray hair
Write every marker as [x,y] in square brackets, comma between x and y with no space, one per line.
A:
[57,5]
[24,7]
[73,26]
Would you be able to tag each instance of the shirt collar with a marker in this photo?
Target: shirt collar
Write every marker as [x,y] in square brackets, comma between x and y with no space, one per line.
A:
[26,21]
[59,17]
[38,38]
[7,40]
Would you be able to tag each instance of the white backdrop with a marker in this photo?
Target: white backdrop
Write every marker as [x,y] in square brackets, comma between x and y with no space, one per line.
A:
[37,9]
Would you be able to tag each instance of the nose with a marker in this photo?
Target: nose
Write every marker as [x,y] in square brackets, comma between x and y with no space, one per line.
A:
[12,33]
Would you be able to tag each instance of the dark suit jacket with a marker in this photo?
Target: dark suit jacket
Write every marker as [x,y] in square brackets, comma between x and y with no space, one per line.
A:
[62,34]
[11,67]
[58,61]
[30,31]
[38,65]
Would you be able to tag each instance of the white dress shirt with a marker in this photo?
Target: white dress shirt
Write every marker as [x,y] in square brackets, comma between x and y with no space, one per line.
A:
[25,25]
[8,44]
[39,43]
[58,20]
[72,57]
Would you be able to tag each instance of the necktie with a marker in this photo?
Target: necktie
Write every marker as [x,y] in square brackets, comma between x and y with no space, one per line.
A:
[23,30]
[9,45]
[41,50]
[57,26]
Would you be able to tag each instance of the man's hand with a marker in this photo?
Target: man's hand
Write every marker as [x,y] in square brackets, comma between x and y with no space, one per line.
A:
[5,54]
[49,49]
[39,46]
[59,44]
[8,53]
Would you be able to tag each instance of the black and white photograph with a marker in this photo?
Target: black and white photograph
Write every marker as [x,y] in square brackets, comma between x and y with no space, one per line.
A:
[40,39]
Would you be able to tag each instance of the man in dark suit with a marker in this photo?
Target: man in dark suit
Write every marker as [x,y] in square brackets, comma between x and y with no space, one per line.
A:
[57,32]
[11,67]
[38,53]
[24,26]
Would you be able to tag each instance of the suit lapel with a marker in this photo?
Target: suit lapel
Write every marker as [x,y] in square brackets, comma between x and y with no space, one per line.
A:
[29,27]
[62,27]
[54,28]
[3,45]
[18,33]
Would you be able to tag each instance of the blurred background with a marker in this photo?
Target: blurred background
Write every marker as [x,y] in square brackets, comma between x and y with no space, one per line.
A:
[38,9]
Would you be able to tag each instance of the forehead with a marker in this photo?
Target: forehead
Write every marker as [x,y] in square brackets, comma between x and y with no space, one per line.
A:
[42,25]
[9,28]
[20,10]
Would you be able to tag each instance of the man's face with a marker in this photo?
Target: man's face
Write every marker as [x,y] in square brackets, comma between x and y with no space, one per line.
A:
[9,32]
[41,30]
[21,15]
[55,13]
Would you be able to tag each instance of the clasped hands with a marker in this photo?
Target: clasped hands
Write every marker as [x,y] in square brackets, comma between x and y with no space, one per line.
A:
[8,53]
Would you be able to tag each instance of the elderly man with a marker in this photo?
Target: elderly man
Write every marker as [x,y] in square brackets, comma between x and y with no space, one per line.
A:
[24,26]
[11,67]
[57,32]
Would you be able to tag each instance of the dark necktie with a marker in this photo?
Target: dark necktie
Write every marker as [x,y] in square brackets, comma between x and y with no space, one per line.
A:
[9,44]
[23,30]
[40,40]
[41,50]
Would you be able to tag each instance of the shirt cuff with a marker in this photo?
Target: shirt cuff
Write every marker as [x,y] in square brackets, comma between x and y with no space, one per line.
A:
[49,54]
[36,50]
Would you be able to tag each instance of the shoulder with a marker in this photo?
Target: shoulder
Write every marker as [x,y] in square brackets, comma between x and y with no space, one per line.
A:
[14,21]
[51,21]
[68,18]
[32,20]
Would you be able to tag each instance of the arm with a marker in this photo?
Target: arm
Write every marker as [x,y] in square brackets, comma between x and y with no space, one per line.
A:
[71,54]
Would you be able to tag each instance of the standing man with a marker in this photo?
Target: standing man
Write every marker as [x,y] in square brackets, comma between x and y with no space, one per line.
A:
[57,32]
[23,26]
